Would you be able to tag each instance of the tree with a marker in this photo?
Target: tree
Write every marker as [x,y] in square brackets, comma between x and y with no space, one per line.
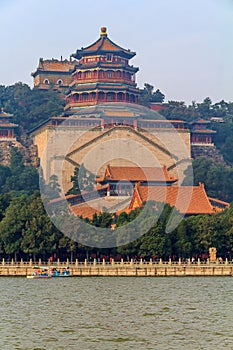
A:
[52,190]
[27,229]
[20,177]
[147,95]
[13,224]
[4,174]
[104,220]
[183,245]
[205,108]
[83,180]
[30,107]
[4,203]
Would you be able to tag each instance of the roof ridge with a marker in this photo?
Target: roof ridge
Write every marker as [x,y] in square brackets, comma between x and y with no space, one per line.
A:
[202,187]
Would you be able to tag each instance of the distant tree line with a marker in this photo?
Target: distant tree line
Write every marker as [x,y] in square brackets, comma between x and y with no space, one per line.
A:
[27,232]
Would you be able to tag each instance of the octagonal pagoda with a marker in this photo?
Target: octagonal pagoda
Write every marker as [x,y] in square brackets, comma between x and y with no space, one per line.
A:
[102,74]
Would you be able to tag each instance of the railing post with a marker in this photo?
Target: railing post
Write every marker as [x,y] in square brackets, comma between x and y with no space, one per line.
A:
[21,262]
[94,262]
[67,262]
[103,262]
[30,262]
[151,262]
[58,262]
[141,262]
[113,262]
[198,262]
[76,262]
[85,262]
[226,261]
[160,261]
[3,261]
[179,262]
[170,261]
[189,262]
[12,261]
[122,262]
[39,261]
[131,262]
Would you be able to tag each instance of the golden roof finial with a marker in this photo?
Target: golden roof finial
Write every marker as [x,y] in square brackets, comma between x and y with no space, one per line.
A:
[103,31]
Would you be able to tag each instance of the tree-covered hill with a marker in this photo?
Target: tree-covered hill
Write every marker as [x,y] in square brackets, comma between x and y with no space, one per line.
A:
[29,106]
[26,230]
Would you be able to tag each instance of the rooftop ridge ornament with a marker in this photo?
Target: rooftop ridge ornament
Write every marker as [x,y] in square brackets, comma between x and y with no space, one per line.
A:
[103,31]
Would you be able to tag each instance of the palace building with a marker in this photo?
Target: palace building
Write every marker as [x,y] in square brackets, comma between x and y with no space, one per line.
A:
[105,128]
[53,74]
[200,133]
[7,128]
[102,107]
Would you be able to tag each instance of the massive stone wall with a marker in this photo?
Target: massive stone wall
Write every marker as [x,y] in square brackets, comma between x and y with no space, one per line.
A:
[207,151]
[61,149]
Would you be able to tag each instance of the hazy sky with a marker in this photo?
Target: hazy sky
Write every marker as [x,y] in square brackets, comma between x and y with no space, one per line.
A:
[184,47]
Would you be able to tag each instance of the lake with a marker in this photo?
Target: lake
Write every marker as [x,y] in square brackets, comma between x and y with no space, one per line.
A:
[109,313]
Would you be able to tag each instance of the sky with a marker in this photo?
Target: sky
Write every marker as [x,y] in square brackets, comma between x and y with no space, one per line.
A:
[183,47]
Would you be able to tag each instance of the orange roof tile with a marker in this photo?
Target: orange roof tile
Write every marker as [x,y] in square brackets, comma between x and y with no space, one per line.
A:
[203,131]
[186,199]
[103,45]
[84,210]
[131,173]
[3,114]
[164,120]
[119,114]
[56,65]
[9,125]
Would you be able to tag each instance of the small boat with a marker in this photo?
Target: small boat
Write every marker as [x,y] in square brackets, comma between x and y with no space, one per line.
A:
[57,273]
[40,272]
[44,272]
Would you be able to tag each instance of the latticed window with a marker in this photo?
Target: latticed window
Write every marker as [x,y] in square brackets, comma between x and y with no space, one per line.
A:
[118,74]
[109,57]
[109,74]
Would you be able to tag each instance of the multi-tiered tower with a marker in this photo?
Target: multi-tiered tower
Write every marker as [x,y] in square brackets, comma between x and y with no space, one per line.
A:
[102,74]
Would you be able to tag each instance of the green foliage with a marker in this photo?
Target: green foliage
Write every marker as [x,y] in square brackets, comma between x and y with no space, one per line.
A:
[26,228]
[5,172]
[30,107]
[203,110]
[223,139]
[147,95]
[18,177]
[52,190]
[4,203]
[83,180]
[216,177]
[102,220]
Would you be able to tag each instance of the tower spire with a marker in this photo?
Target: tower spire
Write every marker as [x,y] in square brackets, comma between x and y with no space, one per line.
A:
[103,31]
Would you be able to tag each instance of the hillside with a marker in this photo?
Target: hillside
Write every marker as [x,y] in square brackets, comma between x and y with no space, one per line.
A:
[31,107]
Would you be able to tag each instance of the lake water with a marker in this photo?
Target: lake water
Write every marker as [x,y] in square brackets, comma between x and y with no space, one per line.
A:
[116,313]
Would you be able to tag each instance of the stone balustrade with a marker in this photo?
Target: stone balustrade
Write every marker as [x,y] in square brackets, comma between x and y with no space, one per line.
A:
[124,268]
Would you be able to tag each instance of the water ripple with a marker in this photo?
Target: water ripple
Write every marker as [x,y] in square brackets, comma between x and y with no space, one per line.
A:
[116,313]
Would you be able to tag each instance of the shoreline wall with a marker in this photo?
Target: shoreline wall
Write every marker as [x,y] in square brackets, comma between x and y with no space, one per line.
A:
[127,269]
